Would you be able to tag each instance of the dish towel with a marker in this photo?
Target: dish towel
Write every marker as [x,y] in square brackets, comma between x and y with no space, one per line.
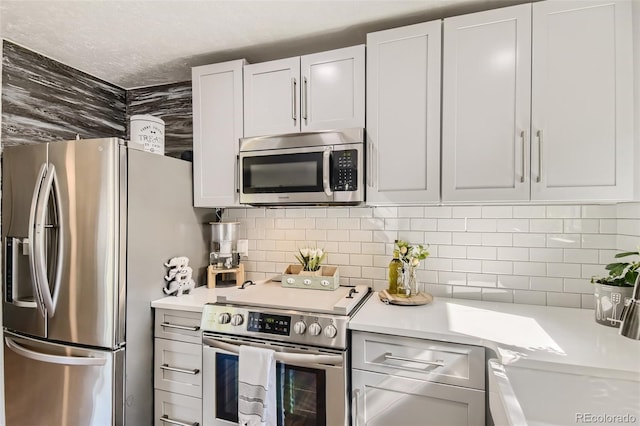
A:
[256,387]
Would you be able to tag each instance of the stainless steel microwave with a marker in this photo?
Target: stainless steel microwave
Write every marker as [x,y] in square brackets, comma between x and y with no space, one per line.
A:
[319,168]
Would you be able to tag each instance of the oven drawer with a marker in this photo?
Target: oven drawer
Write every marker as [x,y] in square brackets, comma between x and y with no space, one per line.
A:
[435,361]
[172,408]
[178,367]
[178,325]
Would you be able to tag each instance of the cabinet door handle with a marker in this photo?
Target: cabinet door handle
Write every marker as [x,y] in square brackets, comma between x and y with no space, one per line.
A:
[181,327]
[356,407]
[294,86]
[539,135]
[437,363]
[306,98]
[169,420]
[179,370]
[523,136]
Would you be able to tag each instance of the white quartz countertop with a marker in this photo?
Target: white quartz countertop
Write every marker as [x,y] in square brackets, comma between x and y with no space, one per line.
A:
[552,338]
[193,301]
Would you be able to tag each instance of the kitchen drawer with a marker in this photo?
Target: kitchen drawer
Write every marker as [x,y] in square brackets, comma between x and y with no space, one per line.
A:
[435,361]
[178,367]
[176,409]
[178,325]
[382,400]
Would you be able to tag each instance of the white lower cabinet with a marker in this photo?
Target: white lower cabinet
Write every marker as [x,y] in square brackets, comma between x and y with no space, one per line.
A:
[177,367]
[408,381]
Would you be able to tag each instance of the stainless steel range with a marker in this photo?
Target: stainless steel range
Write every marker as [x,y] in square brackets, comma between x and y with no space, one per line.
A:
[308,331]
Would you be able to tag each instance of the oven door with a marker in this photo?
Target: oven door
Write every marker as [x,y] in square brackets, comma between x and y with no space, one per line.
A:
[311,385]
[286,176]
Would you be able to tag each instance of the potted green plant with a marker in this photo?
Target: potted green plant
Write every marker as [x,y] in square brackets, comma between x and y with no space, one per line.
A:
[613,291]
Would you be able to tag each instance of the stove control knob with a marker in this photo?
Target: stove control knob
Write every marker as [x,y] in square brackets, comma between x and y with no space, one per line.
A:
[330,331]
[237,319]
[224,318]
[315,329]
[300,327]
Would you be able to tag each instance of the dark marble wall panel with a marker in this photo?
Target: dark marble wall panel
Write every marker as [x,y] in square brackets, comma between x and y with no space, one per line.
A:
[44,100]
[172,103]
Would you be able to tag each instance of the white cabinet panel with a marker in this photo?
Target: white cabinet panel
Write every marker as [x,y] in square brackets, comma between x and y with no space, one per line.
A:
[403,114]
[271,97]
[381,399]
[486,105]
[172,409]
[321,91]
[333,89]
[217,129]
[582,106]
[178,367]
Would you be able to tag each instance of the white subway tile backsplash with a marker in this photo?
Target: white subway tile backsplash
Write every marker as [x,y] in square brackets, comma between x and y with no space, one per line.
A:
[546,284]
[513,253]
[513,225]
[563,211]
[523,254]
[452,225]
[529,212]
[482,225]
[467,212]
[483,253]
[503,212]
[546,225]
[530,297]
[467,238]
[567,300]
[497,295]
[581,256]
[497,239]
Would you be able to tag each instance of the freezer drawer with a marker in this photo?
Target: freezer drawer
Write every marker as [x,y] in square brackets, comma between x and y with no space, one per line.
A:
[178,325]
[50,384]
[175,409]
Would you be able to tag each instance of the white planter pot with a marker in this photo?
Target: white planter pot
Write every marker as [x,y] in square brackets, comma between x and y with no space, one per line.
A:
[610,302]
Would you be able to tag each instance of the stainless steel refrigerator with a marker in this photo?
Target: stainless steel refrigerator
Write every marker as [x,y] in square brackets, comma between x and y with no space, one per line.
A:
[86,228]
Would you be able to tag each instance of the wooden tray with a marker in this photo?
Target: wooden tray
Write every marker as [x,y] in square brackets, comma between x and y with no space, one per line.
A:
[421,298]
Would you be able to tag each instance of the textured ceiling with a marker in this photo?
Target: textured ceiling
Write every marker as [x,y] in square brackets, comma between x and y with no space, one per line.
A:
[142,43]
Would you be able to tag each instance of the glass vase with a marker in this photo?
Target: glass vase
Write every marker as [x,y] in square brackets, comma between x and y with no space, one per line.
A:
[407,283]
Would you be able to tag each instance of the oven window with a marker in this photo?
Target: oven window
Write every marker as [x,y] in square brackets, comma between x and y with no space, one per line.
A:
[282,173]
[301,393]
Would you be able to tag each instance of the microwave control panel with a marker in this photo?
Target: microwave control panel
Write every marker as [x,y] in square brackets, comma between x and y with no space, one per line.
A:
[345,170]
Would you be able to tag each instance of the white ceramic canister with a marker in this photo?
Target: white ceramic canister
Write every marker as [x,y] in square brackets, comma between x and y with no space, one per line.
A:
[147,133]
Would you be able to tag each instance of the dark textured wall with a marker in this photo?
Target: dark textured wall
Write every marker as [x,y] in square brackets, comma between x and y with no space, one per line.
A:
[44,100]
[171,103]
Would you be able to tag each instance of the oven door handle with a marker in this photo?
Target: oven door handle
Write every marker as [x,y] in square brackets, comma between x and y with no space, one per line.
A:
[286,358]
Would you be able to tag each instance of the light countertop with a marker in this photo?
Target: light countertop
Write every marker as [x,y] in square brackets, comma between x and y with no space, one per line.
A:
[193,301]
[553,338]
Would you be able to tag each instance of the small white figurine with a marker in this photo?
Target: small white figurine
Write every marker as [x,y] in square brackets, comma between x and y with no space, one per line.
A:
[178,277]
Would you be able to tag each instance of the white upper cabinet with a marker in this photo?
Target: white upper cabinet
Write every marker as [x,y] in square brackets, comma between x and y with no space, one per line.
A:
[537,103]
[217,129]
[322,91]
[486,105]
[582,101]
[403,115]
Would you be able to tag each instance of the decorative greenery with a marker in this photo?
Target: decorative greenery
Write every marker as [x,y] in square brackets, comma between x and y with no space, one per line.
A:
[310,258]
[411,254]
[621,274]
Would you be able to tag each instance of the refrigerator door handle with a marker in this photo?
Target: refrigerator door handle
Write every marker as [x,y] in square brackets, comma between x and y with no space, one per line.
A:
[30,240]
[52,359]
[50,184]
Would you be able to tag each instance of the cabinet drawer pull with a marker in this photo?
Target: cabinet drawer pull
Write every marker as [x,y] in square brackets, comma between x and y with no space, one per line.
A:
[179,370]
[437,363]
[181,327]
[166,419]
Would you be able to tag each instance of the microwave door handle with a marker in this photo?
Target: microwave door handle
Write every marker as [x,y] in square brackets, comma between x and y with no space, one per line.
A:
[326,172]
[284,357]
